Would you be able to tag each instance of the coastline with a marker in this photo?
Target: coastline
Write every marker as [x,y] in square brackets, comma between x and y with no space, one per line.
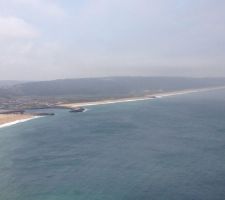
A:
[10,119]
[20,119]
[144,98]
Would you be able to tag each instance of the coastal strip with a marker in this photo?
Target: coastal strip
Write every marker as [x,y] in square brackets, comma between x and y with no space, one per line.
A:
[144,98]
[9,120]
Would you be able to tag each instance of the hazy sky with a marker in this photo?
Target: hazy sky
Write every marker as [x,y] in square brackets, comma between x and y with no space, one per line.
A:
[50,39]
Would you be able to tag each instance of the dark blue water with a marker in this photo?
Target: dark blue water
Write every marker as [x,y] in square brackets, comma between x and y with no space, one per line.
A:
[164,149]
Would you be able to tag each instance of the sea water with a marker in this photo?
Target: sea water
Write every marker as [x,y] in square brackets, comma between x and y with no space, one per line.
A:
[171,148]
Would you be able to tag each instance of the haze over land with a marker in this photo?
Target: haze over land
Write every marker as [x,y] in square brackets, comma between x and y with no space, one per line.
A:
[56,51]
[128,98]
[45,39]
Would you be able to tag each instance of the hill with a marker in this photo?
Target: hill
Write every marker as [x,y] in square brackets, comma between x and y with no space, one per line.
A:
[48,93]
[112,86]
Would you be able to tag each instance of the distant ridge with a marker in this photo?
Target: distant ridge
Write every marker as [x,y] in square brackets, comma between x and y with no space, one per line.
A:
[108,86]
[9,83]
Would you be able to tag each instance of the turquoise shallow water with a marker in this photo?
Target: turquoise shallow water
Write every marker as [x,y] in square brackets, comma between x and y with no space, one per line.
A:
[171,148]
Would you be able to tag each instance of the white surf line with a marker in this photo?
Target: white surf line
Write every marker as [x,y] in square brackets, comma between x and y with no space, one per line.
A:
[150,97]
[188,91]
[18,121]
[108,102]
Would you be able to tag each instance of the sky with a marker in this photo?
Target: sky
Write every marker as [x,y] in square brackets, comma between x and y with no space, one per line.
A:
[57,39]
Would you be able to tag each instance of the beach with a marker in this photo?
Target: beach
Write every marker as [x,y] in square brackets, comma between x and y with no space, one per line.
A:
[165,148]
[133,99]
[11,119]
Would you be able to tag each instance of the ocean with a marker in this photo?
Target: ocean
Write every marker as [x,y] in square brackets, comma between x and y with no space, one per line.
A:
[170,148]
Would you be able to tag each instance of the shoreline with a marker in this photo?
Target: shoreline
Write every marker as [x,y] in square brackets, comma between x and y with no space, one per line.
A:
[11,123]
[144,98]
[24,118]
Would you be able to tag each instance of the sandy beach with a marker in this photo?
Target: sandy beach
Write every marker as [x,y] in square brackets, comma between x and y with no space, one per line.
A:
[132,99]
[11,119]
